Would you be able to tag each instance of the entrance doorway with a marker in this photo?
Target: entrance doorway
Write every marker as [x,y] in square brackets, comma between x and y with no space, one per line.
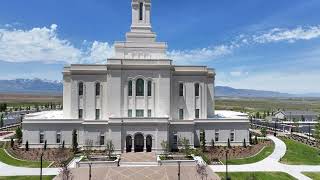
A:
[149,143]
[138,143]
[128,143]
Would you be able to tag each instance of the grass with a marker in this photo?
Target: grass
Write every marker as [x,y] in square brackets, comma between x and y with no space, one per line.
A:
[25,177]
[257,175]
[312,175]
[262,155]
[5,158]
[298,153]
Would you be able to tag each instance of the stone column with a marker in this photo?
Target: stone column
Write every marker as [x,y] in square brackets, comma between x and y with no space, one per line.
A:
[144,144]
[132,144]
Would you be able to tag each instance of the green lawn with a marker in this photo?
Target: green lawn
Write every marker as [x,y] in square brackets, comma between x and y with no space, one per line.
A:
[5,158]
[26,177]
[298,153]
[257,175]
[262,155]
[313,175]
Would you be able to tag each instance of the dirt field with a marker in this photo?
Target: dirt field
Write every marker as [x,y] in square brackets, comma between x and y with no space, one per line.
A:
[29,98]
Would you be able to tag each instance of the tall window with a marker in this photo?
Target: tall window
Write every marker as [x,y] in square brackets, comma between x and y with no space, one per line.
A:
[149,88]
[130,88]
[80,88]
[97,89]
[196,89]
[129,112]
[101,139]
[181,114]
[140,11]
[216,136]
[139,113]
[41,137]
[80,114]
[149,112]
[58,137]
[140,87]
[180,89]
[197,113]
[232,135]
[97,114]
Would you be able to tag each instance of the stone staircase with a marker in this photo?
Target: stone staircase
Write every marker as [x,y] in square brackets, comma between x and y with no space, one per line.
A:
[138,159]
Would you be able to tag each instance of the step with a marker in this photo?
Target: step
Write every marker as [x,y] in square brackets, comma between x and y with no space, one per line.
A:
[138,163]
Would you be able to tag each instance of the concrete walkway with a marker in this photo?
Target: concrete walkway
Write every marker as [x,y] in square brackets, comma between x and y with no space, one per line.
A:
[7,170]
[271,163]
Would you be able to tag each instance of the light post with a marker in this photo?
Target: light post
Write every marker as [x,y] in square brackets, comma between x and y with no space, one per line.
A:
[41,165]
[227,177]
[179,162]
[90,171]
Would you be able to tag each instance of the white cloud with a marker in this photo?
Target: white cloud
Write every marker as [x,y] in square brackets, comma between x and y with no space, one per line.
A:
[43,44]
[195,56]
[238,73]
[199,55]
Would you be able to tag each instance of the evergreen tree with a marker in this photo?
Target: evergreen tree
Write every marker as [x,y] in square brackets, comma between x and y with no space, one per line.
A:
[256,139]
[27,146]
[74,141]
[317,131]
[203,140]
[212,142]
[19,134]
[250,138]
[244,143]
[11,142]
[63,144]
[1,121]
[45,145]
[229,144]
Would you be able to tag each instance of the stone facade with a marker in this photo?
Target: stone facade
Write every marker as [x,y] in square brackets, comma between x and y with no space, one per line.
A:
[138,99]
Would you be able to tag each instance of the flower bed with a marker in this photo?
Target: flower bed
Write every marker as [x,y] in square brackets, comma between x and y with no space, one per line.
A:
[174,159]
[98,161]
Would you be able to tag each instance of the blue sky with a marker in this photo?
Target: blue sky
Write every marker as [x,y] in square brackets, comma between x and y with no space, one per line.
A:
[255,44]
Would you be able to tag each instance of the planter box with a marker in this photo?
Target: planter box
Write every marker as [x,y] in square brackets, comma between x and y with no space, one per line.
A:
[175,162]
[98,163]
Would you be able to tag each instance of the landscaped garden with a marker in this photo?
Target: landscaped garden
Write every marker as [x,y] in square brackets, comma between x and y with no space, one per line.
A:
[313,175]
[298,153]
[257,175]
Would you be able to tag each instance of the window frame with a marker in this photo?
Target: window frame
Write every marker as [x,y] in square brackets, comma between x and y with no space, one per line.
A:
[181,114]
[181,89]
[197,90]
[232,136]
[140,87]
[41,134]
[140,111]
[130,113]
[98,89]
[216,136]
[130,88]
[58,134]
[97,115]
[149,88]
[149,112]
[80,115]
[80,88]
[141,11]
[101,143]
[197,113]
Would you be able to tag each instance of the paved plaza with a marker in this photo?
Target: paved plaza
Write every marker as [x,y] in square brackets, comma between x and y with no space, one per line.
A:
[140,173]
[139,157]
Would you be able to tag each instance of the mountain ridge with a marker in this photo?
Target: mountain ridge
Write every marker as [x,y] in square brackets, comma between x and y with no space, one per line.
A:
[41,86]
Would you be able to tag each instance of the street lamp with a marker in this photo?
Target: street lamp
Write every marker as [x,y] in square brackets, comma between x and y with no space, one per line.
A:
[41,165]
[179,162]
[227,177]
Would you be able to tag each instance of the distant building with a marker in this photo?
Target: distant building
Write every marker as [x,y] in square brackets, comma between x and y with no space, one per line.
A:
[296,115]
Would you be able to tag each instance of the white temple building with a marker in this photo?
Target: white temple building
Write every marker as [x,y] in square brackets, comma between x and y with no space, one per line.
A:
[138,99]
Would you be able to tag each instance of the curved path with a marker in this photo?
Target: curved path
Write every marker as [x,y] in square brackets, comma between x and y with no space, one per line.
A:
[271,163]
[8,170]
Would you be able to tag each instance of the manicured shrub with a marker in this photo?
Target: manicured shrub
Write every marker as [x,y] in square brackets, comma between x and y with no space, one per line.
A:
[212,142]
[27,146]
[19,134]
[74,141]
[229,144]
[250,138]
[244,143]
[45,145]
[11,143]
[256,139]
[63,144]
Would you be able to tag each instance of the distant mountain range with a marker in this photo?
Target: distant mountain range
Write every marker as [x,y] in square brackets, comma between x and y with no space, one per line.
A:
[39,86]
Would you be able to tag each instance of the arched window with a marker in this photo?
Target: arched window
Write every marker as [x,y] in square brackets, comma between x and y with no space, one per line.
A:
[97,89]
[180,89]
[140,87]
[196,89]
[141,11]
[80,88]
[130,88]
[149,88]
